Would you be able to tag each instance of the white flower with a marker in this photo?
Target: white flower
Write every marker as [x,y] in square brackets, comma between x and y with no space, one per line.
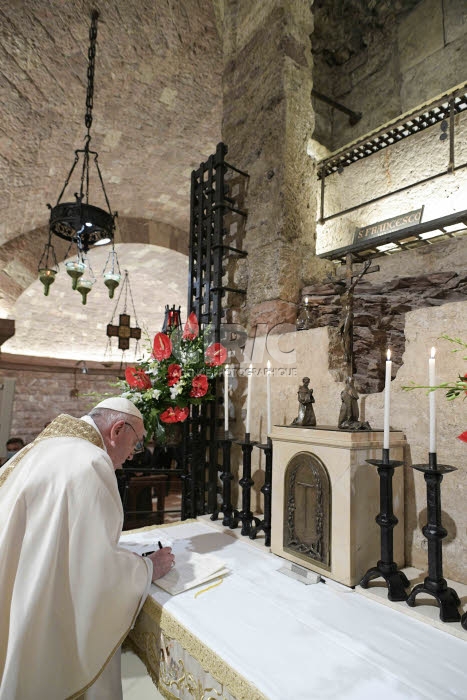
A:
[156,393]
[153,370]
[175,390]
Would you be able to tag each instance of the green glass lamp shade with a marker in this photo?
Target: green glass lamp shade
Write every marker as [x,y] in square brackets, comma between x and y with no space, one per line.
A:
[111,281]
[84,287]
[47,277]
[75,269]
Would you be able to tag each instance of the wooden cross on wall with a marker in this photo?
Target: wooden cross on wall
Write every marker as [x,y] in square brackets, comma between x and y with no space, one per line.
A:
[345,288]
[123,332]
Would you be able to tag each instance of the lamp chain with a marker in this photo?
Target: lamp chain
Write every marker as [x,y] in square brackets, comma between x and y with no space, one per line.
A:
[91,57]
[89,103]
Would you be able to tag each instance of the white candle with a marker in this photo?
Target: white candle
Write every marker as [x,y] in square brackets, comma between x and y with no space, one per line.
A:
[268,396]
[226,398]
[387,401]
[248,398]
[432,382]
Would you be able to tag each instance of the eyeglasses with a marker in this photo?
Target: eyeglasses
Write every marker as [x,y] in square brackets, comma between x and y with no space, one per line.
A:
[139,447]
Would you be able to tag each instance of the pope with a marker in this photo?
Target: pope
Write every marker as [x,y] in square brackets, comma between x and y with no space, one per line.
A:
[68,593]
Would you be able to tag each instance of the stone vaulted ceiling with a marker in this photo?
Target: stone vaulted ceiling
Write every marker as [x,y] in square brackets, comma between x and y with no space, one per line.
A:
[157,103]
[156,116]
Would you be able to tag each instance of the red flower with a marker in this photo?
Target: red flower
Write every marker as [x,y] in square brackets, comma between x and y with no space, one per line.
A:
[174,414]
[174,373]
[215,355]
[199,386]
[137,378]
[162,346]
[463,436]
[191,330]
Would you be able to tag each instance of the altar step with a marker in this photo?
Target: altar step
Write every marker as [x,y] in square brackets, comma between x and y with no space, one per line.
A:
[137,684]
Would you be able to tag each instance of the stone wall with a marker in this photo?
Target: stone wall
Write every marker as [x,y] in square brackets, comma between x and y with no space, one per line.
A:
[267,123]
[398,64]
[41,395]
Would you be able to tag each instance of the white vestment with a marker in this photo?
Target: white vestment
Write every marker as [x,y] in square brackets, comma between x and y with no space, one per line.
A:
[68,593]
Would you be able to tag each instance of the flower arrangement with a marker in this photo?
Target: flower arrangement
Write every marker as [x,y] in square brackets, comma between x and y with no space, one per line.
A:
[454,388]
[178,373]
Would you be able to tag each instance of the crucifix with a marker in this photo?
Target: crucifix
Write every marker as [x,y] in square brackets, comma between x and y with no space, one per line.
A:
[123,331]
[345,288]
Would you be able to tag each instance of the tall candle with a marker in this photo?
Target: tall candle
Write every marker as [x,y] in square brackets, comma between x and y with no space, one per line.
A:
[268,396]
[226,398]
[432,382]
[248,398]
[387,401]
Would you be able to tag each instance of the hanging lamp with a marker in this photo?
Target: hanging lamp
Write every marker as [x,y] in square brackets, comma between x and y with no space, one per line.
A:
[123,331]
[81,223]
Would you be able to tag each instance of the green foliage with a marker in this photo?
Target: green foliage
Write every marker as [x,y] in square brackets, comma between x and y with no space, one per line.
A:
[453,389]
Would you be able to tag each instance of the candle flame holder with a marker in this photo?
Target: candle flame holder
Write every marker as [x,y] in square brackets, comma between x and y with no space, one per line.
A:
[226,477]
[245,516]
[386,568]
[434,584]
[266,490]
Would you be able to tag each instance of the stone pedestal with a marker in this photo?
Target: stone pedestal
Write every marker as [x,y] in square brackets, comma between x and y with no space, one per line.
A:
[352,533]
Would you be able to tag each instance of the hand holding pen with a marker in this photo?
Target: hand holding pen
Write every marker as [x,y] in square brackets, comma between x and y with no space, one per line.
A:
[162,560]
[146,554]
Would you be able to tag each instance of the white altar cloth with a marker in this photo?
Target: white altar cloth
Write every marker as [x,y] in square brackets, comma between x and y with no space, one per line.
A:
[295,642]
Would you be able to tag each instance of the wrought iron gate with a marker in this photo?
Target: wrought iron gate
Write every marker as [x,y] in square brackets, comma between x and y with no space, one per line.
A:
[216,215]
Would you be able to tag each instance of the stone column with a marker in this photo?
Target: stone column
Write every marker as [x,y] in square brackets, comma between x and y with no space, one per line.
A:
[267,121]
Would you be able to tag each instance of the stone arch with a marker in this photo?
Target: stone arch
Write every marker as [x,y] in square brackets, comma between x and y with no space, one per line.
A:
[19,257]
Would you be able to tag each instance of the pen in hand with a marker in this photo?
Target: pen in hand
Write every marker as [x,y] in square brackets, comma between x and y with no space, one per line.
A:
[146,554]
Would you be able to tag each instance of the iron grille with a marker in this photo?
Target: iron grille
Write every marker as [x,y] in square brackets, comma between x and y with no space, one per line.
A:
[401,128]
[216,189]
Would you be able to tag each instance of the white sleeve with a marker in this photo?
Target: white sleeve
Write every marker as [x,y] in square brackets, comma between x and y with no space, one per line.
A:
[149,567]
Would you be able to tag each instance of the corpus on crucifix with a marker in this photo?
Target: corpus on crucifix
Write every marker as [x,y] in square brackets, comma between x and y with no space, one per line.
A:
[345,288]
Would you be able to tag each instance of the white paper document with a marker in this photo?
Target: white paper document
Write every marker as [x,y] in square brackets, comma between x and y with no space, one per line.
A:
[191,569]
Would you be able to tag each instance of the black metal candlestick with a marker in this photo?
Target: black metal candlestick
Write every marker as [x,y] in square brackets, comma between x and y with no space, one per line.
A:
[246,482]
[434,584]
[226,477]
[396,580]
[266,490]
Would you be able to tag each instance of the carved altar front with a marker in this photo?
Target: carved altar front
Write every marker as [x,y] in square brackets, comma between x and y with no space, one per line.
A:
[325,498]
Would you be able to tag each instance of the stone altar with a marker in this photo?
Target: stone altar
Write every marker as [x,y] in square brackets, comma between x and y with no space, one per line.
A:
[325,498]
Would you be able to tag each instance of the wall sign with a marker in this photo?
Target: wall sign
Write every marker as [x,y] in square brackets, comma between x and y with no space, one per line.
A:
[396,223]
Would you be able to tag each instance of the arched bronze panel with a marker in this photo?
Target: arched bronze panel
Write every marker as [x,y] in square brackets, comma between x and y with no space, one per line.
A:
[307,509]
